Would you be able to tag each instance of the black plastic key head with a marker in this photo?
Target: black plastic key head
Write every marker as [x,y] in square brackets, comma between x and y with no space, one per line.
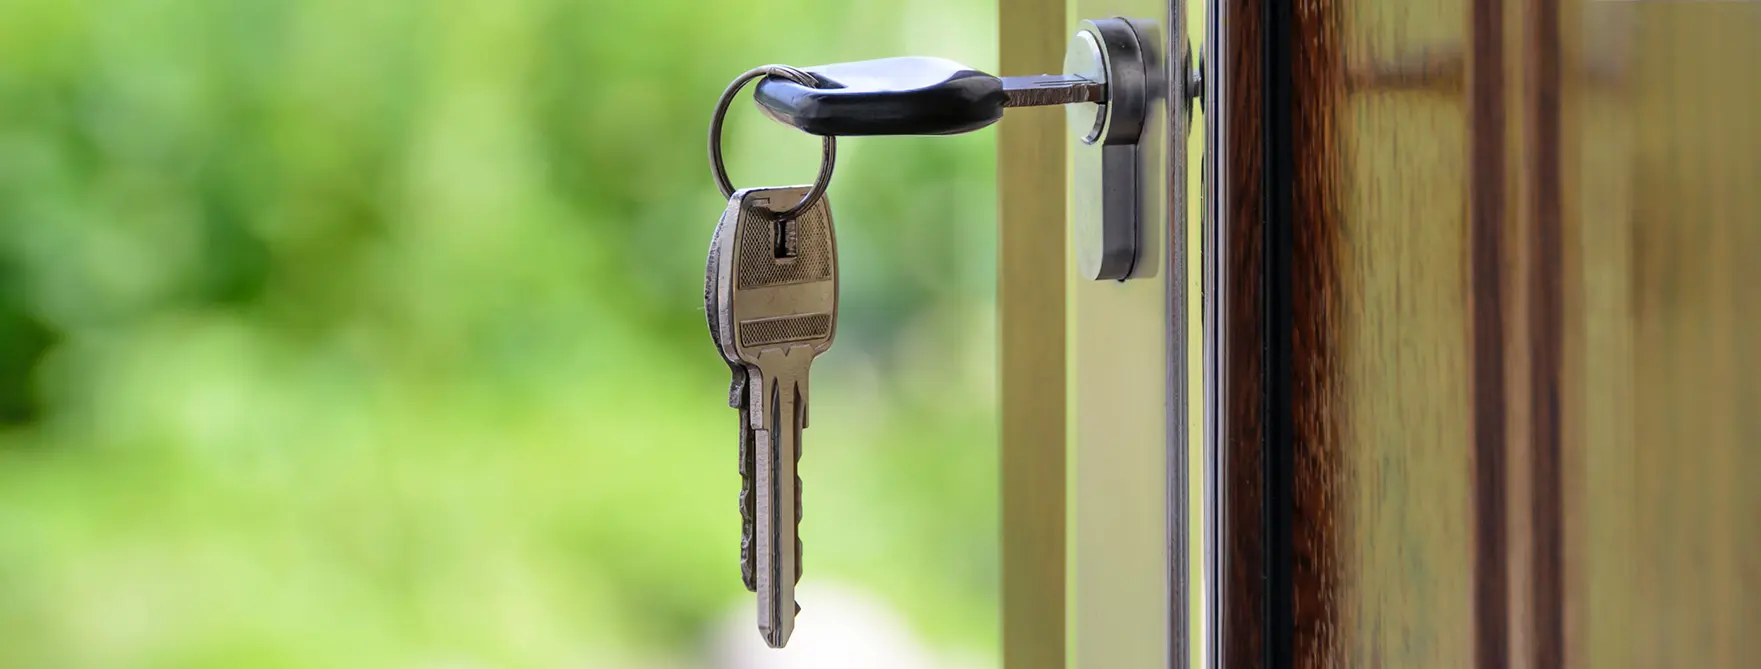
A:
[891,96]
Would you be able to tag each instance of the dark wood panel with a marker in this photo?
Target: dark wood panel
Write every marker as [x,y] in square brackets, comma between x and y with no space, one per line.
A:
[1312,215]
[1351,260]
[1486,209]
[1243,547]
[1540,605]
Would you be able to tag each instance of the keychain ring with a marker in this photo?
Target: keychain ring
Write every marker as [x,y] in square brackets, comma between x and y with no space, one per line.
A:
[828,155]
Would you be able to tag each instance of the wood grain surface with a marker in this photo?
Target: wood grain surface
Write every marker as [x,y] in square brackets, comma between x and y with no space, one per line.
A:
[1353,441]
[1242,546]
[1662,355]
[1494,334]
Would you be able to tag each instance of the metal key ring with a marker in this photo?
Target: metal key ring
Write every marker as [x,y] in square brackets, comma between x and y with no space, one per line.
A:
[828,157]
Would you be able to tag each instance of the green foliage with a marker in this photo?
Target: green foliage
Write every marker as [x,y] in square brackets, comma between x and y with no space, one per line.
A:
[363,334]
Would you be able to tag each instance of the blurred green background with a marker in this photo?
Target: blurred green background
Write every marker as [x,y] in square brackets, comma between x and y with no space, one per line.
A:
[370,334]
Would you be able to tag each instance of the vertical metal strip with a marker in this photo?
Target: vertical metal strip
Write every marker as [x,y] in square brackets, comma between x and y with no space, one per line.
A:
[1031,313]
[1214,342]
[1235,330]
[1178,516]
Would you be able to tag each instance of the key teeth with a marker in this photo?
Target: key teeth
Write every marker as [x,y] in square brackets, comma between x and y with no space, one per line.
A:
[748,575]
[748,509]
[798,514]
[748,533]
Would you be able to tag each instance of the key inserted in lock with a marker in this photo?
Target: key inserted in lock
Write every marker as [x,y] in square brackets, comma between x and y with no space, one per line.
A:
[911,95]
[1107,234]
[1111,80]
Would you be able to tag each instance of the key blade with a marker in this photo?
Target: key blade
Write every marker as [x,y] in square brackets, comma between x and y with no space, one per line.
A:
[1042,90]
[778,484]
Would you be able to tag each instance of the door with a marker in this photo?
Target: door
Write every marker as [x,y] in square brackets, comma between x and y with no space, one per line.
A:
[1484,333]
[1470,380]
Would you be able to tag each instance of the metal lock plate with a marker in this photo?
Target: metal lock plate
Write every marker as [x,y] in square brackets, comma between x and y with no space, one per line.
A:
[1110,238]
[1128,458]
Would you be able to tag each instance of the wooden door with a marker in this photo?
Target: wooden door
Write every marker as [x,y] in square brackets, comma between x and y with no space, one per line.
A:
[1486,342]
[1479,341]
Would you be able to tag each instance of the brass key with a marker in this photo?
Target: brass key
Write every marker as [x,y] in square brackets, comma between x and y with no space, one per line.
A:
[777,300]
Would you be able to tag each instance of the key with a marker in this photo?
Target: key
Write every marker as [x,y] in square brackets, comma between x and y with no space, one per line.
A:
[748,450]
[912,95]
[777,287]
[736,388]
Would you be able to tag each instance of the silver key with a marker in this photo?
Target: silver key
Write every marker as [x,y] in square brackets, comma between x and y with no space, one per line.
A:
[1044,90]
[778,291]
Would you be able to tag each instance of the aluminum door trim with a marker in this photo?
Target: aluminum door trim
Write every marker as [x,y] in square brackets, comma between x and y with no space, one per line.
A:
[1215,339]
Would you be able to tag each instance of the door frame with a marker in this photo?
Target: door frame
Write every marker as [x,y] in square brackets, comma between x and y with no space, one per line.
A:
[1094,552]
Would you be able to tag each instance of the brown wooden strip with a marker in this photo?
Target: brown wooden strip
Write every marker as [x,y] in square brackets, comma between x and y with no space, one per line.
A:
[1486,195]
[1318,83]
[1546,331]
[1244,542]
